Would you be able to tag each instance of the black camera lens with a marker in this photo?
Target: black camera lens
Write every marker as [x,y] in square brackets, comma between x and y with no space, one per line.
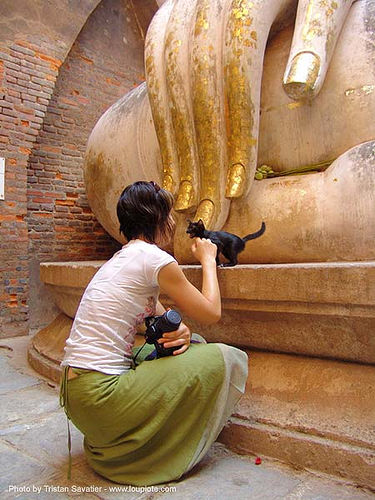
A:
[173,317]
[157,325]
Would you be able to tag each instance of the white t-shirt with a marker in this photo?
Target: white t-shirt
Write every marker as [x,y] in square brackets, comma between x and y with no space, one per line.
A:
[120,296]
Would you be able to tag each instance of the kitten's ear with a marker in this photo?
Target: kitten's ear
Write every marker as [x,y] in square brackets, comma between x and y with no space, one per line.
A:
[201,223]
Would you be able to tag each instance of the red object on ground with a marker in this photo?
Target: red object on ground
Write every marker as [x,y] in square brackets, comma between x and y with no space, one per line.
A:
[258,461]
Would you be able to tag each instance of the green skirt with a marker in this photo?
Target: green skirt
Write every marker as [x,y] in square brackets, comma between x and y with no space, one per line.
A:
[153,423]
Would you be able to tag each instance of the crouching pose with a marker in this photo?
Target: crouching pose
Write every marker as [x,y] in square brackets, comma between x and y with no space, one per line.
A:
[150,423]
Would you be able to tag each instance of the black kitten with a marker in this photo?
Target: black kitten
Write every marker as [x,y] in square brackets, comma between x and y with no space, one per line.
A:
[228,244]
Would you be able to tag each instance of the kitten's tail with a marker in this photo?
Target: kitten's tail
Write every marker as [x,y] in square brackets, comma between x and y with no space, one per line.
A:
[252,236]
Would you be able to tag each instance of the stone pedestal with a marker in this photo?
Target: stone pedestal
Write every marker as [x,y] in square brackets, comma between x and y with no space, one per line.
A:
[47,347]
[312,413]
[309,332]
[316,309]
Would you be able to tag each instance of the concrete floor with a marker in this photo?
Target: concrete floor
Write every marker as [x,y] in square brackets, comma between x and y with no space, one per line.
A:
[33,454]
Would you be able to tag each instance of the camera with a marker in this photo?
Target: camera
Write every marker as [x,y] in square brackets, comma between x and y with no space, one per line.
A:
[157,325]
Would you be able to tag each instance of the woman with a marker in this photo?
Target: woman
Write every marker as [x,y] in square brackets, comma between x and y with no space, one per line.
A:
[151,423]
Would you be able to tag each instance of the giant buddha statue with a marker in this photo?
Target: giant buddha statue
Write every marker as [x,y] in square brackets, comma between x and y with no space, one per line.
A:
[228,89]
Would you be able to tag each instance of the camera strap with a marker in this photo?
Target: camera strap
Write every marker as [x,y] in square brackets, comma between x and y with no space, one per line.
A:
[135,357]
[63,403]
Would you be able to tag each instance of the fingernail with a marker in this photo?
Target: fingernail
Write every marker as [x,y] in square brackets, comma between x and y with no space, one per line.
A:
[235,181]
[168,182]
[205,212]
[185,196]
[299,82]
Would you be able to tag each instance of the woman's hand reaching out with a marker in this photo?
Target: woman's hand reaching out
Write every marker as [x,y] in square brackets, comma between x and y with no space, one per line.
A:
[204,250]
[180,337]
[204,306]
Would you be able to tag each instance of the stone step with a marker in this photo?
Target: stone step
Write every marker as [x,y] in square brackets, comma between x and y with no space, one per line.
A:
[324,309]
[316,309]
[308,412]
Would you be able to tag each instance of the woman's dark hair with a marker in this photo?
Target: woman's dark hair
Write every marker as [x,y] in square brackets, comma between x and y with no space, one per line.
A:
[143,209]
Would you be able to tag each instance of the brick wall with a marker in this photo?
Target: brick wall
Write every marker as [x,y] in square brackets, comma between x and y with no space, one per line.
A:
[49,104]
[23,72]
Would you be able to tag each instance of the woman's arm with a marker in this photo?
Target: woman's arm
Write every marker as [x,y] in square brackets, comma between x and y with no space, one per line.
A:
[159,309]
[204,306]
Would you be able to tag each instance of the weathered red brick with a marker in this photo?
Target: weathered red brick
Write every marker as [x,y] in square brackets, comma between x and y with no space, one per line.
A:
[64,202]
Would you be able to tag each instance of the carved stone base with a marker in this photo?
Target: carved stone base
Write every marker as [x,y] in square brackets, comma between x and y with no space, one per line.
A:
[47,347]
[313,405]
[310,413]
[324,309]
